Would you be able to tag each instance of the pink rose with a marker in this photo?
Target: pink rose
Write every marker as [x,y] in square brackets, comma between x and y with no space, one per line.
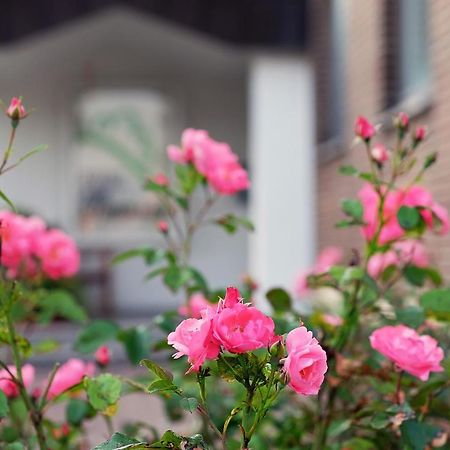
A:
[232,297]
[420,133]
[194,338]
[415,354]
[379,153]
[8,386]
[16,110]
[190,140]
[412,252]
[363,128]
[306,362]
[59,254]
[196,304]
[379,262]
[243,328]
[68,375]
[103,356]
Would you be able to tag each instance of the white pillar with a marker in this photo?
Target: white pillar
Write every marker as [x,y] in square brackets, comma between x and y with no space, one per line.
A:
[283,168]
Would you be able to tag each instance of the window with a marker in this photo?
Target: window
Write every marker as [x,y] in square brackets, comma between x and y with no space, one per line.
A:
[408,73]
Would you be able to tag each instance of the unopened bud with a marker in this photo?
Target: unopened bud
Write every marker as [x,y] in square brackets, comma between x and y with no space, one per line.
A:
[103,356]
[163,226]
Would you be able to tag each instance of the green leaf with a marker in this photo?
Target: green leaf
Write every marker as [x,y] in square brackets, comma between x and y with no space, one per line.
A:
[189,404]
[231,223]
[380,420]
[136,342]
[103,391]
[4,407]
[150,255]
[176,277]
[6,199]
[38,149]
[15,446]
[161,386]
[359,444]
[60,303]
[150,185]
[279,299]
[117,441]
[417,435]
[408,218]
[169,438]
[437,302]
[188,177]
[94,335]
[353,208]
[430,160]
[348,170]
[156,369]
[46,346]
[411,316]
[77,410]
[415,275]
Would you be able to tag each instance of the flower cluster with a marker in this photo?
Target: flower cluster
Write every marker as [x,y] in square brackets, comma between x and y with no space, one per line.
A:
[415,354]
[212,159]
[236,327]
[30,249]
[414,196]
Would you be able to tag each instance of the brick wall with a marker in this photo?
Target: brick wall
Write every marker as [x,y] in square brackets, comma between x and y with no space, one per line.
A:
[365,89]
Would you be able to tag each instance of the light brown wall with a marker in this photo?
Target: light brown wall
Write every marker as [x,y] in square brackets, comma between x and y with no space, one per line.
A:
[365,95]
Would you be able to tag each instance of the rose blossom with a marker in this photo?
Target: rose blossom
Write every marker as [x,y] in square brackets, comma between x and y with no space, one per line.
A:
[196,304]
[363,128]
[68,375]
[59,254]
[163,226]
[379,153]
[379,262]
[161,179]
[415,354]
[194,338]
[306,362]
[8,386]
[190,139]
[16,110]
[412,251]
[243,328]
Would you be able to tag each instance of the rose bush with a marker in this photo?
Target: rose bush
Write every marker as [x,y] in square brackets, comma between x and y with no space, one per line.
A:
[364,365]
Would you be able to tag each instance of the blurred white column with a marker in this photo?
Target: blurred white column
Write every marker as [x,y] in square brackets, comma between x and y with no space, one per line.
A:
[283,168]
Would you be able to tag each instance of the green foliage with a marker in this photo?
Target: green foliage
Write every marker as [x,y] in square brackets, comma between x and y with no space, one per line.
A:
[4,407]
[59,303]
[94,335]
[437,303]
[417,435]
[408,218]
[77,410]
[156,369]
[231,223]
[188,177]
[279,299]
[150,255]
[136,342]
[103,391]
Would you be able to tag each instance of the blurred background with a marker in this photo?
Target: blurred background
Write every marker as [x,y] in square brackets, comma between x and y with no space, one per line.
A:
[114,82]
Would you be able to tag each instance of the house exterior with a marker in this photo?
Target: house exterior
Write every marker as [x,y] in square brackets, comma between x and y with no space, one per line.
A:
[392,56]
[240,70]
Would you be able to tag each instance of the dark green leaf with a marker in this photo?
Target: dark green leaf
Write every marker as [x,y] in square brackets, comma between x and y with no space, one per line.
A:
[156,369]
[94,335]
[188,177]
[117,441]
[417,435]
[437,302]
[176,277]
[161,386]
[60,303]
[150,255]
[353,208]
[279,299]
[348,170]
[5,198]
[411,316]
[189,404]
[380,420]
[408,218]
[415,275]
[77,410]
[136,341]
[4,407]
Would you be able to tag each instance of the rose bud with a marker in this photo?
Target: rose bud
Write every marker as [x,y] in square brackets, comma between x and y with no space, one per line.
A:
[103,356]
[161,179]
[363,128]
[379,153]
[163,226]
[420,134]
[16,111]
[402,121]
